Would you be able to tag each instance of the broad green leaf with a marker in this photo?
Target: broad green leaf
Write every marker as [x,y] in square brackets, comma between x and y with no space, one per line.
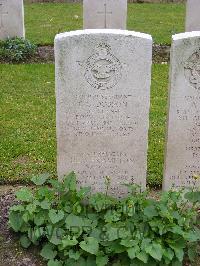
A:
[155,251]
[25,241]
[56,216]
[67,242]
[145,243]
[83,192]
[90,245]
[150,211]
[15,221]
[168,253]
[39,218]
[115,247]
[111,233]
[54,263]
[77,221]
[38,231]
[112,216]
[178,243]
[91,260]
[102,260]
[17,208]
[101,202]
[31,208]
[176,263]
[132,252]
[70,181]
[56,184]
[128,243]
[143,256]
[27,217]
[74,254]
[24,194]
[124,233]
[56,236]
[191,236]
[179,253]
[177,230]
[46,205]
[48,252]
[40,179]
[80,262]
[35,234]
[193,196]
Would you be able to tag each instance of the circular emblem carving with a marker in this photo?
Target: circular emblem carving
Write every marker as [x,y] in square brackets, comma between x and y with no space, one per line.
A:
[192,70]
[103,70]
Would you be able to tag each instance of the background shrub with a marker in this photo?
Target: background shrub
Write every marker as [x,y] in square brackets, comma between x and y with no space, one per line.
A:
[16,50]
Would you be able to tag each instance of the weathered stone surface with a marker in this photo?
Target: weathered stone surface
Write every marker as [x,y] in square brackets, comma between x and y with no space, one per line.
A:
[105,14]
[192,15]
[80,1]
[183,141]
[11,19]
[103,93]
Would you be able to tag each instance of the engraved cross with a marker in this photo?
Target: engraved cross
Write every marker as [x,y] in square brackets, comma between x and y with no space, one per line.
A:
[105,13]
[2,13]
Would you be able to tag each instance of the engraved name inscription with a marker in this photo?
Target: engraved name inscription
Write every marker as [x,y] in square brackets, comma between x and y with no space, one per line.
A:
[111,116]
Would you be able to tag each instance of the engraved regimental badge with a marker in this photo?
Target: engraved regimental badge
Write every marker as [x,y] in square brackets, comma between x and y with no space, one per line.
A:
[102,69]
[192,70]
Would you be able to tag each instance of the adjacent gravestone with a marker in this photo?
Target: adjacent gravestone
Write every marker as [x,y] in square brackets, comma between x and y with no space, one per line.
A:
[104,14]
[183,142]
[192,15]
[11,19]
[103,93]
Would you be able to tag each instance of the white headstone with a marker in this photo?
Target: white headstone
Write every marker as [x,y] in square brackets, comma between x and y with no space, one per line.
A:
[192,15]
[182,161]
[104,14]
[103,94]
[11,19]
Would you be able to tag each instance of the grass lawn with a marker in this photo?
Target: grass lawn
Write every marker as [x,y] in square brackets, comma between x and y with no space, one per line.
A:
[43,21]
[28,143]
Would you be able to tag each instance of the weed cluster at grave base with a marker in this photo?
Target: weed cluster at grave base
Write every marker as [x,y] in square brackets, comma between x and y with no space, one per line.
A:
[16,50]
[75,227]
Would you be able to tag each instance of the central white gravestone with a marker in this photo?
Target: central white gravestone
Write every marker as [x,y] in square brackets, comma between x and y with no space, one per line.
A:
[104,14]
[192,15]
[11,19]
[182,161]
[103,93]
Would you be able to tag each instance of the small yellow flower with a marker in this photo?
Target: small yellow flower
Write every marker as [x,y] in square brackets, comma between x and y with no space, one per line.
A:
[196,177]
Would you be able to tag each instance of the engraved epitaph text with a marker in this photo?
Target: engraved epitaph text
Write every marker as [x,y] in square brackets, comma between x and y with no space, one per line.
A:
[182,163]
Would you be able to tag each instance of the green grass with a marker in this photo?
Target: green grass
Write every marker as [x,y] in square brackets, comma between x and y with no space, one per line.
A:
[28,120]
[158,114]
[28,142]
[44,21]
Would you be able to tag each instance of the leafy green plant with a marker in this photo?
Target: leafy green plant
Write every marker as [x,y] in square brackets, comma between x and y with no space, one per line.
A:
[76,227]
[16,50]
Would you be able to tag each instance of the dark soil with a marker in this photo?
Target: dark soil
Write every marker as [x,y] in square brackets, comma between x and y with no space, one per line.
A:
[45,54]
[161,53]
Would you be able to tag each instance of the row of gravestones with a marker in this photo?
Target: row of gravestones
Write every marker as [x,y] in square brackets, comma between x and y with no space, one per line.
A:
[103,97]
[103,80]
[111,14]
